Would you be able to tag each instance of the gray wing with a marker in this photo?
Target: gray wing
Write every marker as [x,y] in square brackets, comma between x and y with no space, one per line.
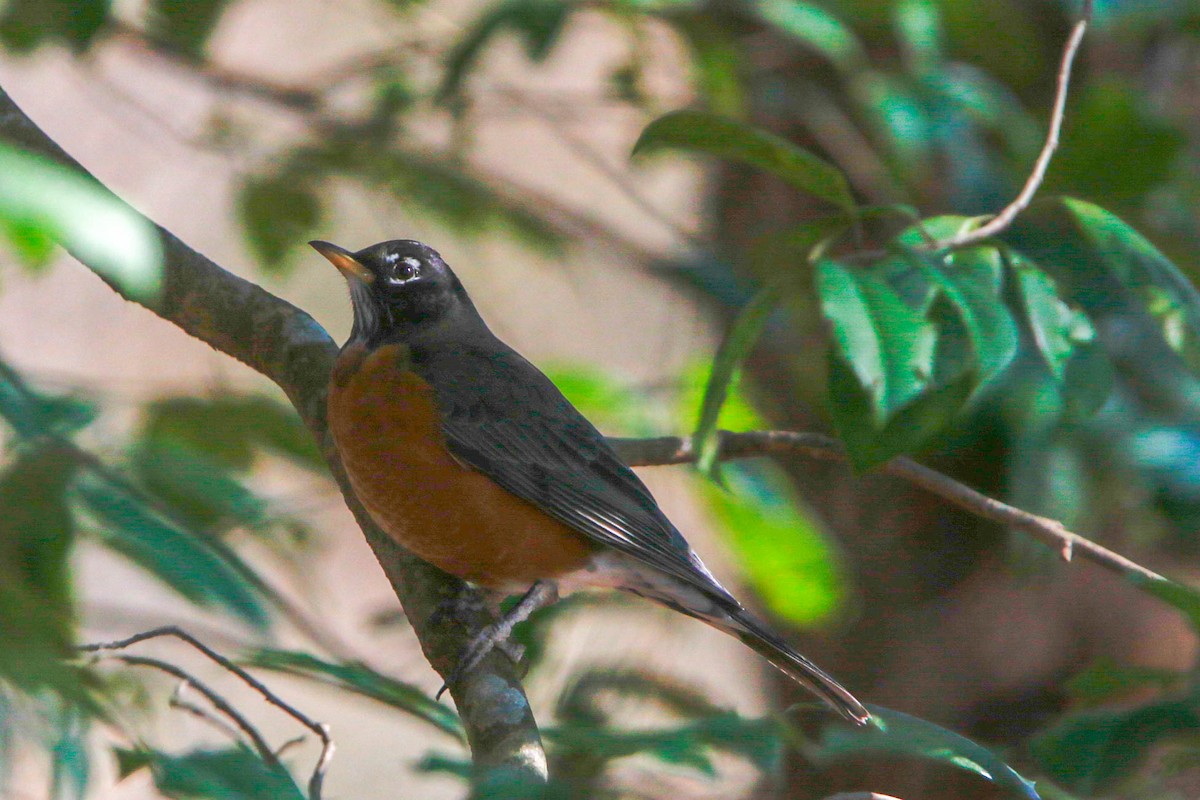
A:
[504,418]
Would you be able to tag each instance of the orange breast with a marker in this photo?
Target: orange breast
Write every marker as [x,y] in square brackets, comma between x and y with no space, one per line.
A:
[387,430]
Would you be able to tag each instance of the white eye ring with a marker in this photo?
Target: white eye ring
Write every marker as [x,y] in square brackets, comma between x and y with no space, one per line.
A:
[403,275]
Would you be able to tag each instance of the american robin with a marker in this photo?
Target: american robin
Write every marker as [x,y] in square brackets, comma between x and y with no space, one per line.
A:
[467,455]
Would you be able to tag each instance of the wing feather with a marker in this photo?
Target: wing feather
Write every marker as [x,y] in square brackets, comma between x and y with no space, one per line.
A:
[504,418]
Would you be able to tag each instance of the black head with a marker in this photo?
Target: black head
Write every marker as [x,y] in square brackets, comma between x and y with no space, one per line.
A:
[397,288]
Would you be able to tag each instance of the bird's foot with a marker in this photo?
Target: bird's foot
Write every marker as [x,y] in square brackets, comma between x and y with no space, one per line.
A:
[496,636]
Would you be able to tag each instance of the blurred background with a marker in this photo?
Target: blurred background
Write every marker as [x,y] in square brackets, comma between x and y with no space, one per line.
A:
[500,133]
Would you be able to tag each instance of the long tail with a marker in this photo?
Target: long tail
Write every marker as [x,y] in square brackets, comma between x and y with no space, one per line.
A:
[766,643]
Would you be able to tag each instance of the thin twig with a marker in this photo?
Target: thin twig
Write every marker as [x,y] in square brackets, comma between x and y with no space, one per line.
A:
[320,729]
[678,450]
[203,714]
[1001,221]
[219,703]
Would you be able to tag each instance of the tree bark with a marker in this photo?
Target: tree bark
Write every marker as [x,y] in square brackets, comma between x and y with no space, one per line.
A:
[273,337]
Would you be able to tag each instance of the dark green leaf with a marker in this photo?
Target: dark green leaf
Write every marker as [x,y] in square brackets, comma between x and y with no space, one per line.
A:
[32,414]
[1139,267]
[901,734]
[537,22]
[362,680]
[26,24]
[199,490]
[69,755]
[230,428]
[738,343]
[1057,328]
[1091,752]
[83,217]
[817,28]
[36,603]
[202,570]
[888,345]
[729,139]
[971,280]
[278,212]
[746,330]
[869,442]
[447,765]
[234,774]
[755,740]
[184,25]
[1105,680]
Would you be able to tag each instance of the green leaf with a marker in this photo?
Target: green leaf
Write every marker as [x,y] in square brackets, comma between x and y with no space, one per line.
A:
[1105,680]
[815,27]
[278,213]
[537,22]
[738,343]
[1057,328]
[778,547]
[26,24]
[36,602]
[1091,752]
[231,429]
[33,415]
[971,280]
[687,745]
[888,345]
[361,679]
[896,733]
[745,332]
[1183,597]
[234,774]
[918,24]
[184,25]
[729,139]
[917,425]
[198,490]
[200,569]
[83,217]
[1137,265]
[69,763]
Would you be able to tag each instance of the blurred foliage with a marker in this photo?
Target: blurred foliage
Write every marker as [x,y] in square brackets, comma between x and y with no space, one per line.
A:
[42,203]
[1074,335]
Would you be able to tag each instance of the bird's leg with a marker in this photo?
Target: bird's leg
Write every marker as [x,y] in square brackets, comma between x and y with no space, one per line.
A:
[540,595]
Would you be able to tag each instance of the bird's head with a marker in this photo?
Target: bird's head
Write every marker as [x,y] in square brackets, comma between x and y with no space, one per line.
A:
[397,288]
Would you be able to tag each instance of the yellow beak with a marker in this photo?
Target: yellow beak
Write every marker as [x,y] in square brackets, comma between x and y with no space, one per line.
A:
[344,260]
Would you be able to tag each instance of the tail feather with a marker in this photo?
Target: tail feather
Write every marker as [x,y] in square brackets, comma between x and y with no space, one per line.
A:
[766,643]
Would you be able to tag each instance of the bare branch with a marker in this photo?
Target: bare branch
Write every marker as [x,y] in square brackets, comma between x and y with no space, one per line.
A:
[1005,218]
[219,703]
[273,337]
[268,755]
[676,450]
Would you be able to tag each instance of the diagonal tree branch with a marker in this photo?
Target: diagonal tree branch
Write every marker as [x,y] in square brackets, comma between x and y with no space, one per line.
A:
[273,337]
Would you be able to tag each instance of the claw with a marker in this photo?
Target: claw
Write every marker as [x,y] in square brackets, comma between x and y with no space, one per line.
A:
[541,594]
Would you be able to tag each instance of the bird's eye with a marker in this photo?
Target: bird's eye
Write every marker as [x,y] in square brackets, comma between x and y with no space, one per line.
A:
[408,268]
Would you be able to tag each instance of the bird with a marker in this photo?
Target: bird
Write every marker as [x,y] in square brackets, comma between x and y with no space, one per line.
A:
[466,454]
